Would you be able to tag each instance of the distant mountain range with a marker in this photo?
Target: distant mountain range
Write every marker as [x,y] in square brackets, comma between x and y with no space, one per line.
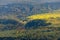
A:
[13,16]
[22,10]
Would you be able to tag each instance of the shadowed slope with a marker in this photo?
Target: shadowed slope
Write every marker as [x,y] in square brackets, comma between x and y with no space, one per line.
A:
[37,23]
[9,24]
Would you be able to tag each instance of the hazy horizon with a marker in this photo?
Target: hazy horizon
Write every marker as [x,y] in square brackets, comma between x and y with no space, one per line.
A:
[4,2]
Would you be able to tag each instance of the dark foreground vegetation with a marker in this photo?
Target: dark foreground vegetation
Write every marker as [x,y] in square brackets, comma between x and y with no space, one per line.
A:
[18,38]
[32,30]
[45,33]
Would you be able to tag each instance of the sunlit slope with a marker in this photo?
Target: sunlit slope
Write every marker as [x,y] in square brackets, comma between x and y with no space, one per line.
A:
[54,17]
[44,16]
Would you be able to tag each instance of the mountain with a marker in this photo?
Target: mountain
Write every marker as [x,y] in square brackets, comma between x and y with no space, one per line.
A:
[22,10]
[18,13]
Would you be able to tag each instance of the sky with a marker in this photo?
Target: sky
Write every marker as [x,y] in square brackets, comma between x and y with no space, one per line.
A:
[3,2]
